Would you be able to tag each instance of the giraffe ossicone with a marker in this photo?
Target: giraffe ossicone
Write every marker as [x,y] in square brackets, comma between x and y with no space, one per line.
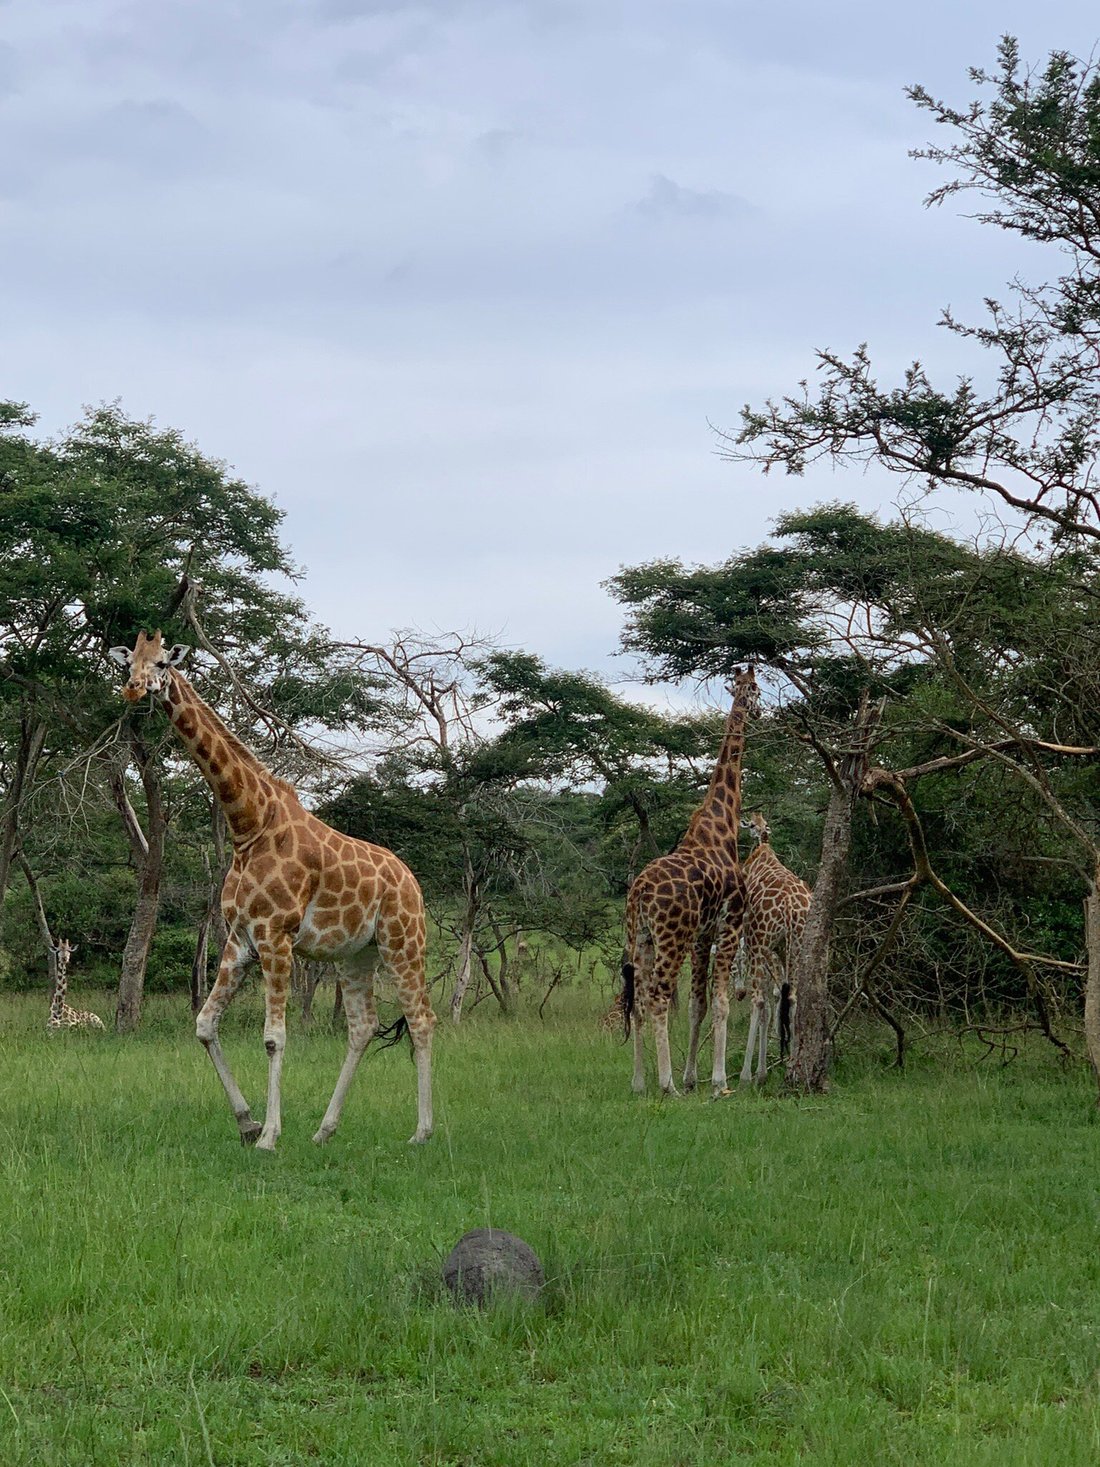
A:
[295,887]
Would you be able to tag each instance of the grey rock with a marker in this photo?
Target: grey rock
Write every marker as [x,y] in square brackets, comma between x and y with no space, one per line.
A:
[487,1263]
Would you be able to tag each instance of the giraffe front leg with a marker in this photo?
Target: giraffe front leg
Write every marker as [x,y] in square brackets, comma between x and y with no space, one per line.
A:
[275,959]
[762,1036]
[755,976]
[235,962]
[724,955]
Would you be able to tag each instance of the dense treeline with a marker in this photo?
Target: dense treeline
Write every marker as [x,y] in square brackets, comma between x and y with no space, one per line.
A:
[931,703]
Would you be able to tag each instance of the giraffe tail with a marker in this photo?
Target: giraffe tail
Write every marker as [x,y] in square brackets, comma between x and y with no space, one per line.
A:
[393,1033]
[784,1019]
[628,995]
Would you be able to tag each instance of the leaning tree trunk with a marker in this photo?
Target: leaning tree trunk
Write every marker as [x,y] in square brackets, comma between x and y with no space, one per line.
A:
[32,739]
[808,1066]
[1092,981]
[43,926]
[135,955]
[466,945]
[212,923]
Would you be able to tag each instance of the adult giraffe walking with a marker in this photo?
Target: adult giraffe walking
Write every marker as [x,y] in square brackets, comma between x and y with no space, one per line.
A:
[684,903]
[295,886]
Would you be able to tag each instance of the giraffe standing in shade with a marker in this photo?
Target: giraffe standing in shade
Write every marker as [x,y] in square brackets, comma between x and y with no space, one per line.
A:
[295,886]
[776,904]
[680,904]
[61,1015]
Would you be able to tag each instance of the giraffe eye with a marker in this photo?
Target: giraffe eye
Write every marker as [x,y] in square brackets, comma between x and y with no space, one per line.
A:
[162,662]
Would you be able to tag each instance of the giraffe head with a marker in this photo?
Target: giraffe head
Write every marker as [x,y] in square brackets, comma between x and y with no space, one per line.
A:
[757,826]
[744,688]
[64,950]
[148,664]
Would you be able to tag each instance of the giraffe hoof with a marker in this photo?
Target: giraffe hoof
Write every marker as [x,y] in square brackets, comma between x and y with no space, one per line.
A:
[720,1094]
[419,1137]
[249,1132]
[321,1136]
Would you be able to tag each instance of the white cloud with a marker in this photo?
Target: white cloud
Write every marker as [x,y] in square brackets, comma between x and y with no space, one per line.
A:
[461,284]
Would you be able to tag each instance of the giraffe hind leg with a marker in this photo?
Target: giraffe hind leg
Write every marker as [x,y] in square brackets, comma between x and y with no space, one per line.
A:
[728,946]
[666,970]
[700,964]
[357,981]
[637,977]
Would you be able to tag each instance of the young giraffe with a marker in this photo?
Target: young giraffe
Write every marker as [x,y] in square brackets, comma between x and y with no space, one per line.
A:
[776,904]
[679,903]
[61,1015]
[295,886]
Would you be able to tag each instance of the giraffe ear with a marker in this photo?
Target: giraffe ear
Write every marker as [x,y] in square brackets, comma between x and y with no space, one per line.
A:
[122,655]
[177,654]
[73,946]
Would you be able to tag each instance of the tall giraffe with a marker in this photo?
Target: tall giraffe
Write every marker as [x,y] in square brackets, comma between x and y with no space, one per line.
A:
[295,886]
[776,904]
[61,1015]
[680,903]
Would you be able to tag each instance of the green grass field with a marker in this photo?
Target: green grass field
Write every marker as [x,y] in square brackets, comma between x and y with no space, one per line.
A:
[905,1271]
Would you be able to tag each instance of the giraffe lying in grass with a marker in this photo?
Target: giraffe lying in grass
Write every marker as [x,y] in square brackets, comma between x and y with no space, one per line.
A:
[61,1015]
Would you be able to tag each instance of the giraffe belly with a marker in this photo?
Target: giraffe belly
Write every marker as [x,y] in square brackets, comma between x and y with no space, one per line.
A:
[324,935]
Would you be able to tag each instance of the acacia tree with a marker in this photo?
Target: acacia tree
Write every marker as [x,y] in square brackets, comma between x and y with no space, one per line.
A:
[893,643]
[1029,147]
[116,525]
[569,727]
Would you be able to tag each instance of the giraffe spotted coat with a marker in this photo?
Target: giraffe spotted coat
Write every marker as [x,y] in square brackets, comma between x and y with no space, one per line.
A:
[295,887]
[776,904]
[684,904]
[61,1015]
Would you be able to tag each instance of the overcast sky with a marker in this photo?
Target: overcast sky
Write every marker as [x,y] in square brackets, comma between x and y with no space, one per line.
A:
[460,283]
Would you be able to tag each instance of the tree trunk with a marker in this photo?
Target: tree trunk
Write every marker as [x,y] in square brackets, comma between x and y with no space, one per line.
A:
[135,955]
[223,858]
[309,977]
[43,927]
[808,1066]
[202,942]
[500,989]
[466,945]
[212,926]
[1092,982]
[32,737]
[462,979]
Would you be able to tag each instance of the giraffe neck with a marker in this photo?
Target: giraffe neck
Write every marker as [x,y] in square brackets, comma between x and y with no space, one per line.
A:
[243,787]
[714,825]
[58,1004]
